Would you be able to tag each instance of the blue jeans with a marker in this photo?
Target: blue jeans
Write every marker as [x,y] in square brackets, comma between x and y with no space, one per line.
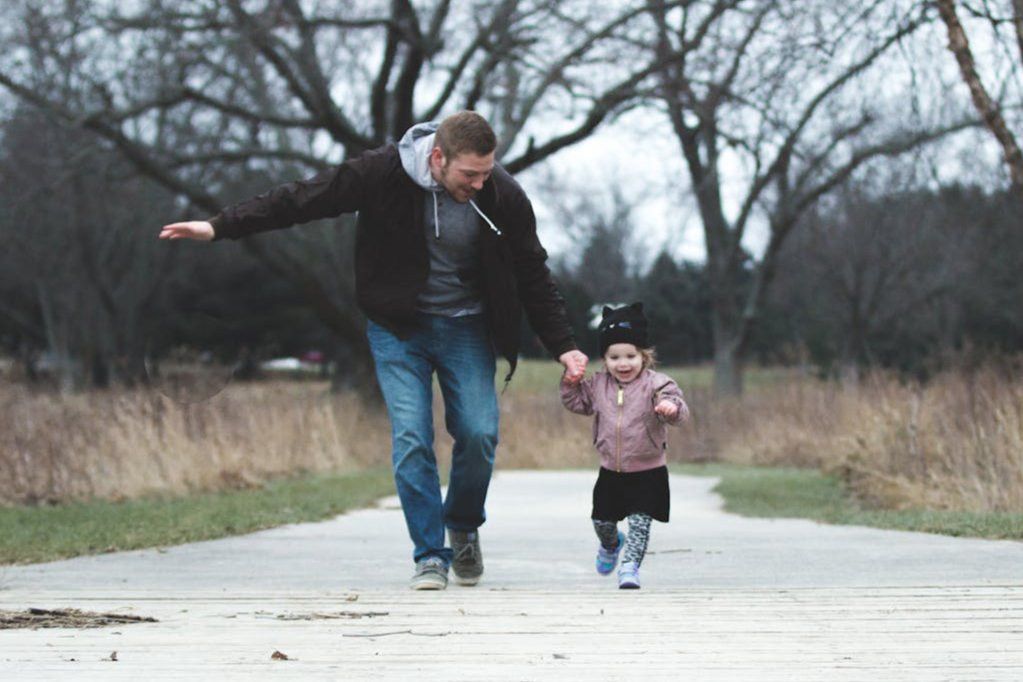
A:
[459,350]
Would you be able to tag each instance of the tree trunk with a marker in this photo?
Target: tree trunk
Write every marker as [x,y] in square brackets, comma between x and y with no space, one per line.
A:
[728,368]
[728,349]
[959,45]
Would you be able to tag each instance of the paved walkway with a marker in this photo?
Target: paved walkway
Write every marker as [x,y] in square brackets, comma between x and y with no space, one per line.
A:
[724,597]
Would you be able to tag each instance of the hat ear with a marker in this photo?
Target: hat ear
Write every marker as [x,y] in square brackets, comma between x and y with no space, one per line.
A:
[637,306]
[607,311]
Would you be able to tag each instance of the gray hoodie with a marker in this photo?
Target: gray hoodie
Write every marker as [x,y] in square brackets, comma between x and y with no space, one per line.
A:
[452,233]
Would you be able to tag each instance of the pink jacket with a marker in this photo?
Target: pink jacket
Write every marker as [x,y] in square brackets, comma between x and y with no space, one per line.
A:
[627,432]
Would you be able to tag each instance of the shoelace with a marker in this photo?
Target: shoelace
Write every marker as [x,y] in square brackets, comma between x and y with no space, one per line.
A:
[466,553]
[430,566]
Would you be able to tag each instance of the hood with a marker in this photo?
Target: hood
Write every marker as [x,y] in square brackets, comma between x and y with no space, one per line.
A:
[414,149]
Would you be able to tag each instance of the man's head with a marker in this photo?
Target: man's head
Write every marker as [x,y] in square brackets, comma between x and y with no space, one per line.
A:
[463,154]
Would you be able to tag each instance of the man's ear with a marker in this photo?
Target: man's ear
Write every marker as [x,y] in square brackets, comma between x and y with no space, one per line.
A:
[437,157]
[607,311]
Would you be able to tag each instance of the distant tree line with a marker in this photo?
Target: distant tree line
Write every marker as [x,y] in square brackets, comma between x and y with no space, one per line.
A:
[906,281]
[871,277]
[119,117]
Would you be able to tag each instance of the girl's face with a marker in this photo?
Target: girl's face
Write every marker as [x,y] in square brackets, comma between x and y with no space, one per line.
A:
[623,361]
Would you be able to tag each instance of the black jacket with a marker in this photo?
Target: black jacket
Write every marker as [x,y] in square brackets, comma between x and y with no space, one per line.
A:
[391,258]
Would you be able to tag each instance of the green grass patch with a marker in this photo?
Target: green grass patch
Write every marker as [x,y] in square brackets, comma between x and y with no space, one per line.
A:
[33,534]
[809,494]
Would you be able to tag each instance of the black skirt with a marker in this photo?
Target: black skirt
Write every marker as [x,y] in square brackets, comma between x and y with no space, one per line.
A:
[618,494]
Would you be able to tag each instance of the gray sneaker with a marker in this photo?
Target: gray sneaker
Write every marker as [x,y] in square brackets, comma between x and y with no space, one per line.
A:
[468,560]
[431,574]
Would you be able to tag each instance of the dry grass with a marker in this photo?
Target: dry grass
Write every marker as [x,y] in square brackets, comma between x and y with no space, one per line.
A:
[120,444]
[954,443]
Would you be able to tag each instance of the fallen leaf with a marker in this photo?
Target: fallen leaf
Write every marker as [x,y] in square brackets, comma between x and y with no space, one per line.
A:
[278,656]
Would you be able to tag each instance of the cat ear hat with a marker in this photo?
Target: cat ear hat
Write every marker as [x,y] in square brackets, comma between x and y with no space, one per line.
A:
[627,324]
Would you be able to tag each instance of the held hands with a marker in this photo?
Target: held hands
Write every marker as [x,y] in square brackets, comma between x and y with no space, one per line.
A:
[575,366]
[666,409]
[192,229]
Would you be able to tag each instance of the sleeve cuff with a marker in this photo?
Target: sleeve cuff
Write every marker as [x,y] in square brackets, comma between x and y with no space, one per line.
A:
[563,347]
[217,222]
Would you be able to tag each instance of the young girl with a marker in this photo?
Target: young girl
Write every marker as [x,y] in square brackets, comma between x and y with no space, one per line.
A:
[631,405]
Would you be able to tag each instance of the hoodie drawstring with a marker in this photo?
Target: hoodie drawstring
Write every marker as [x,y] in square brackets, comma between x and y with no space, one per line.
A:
[484,216]
[436,219]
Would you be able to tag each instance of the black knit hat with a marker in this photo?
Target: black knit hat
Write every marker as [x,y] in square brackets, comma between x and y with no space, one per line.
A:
[623,325]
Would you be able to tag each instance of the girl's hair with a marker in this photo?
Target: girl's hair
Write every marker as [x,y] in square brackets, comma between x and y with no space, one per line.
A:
[649,356]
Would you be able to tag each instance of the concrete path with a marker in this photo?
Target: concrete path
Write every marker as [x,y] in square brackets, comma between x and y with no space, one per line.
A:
[724,597]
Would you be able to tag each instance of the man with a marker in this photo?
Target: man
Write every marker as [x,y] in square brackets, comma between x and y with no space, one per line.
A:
[446,260]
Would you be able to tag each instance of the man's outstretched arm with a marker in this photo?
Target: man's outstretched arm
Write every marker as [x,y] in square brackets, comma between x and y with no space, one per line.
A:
[337,190]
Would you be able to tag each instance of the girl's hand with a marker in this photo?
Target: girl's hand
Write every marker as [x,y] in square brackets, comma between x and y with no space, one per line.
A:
[575,366]
[666,409]
[571,379]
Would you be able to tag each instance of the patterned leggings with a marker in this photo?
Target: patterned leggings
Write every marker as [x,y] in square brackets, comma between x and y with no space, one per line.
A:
[635,542]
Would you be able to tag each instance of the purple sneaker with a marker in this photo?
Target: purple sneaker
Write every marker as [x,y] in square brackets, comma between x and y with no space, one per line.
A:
[628,576]
[608,558]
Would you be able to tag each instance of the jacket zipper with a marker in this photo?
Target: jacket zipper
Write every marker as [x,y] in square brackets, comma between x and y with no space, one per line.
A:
[618,427]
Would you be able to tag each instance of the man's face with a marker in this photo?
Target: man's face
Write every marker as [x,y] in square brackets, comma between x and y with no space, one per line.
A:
[463,175]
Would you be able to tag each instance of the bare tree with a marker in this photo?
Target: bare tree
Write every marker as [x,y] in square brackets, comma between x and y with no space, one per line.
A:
[200,95]
[82,280]
[869,260]
[775,89]
[987,106]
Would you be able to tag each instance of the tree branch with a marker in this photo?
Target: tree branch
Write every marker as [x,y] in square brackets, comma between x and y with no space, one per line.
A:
[604,106]
[960,47]
[313,94]
[501,20]
[792,138]
[243,155]
[891,147]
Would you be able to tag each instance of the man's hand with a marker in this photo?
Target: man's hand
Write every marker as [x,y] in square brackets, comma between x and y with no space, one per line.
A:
[666,409]
[575,365]
[192,229]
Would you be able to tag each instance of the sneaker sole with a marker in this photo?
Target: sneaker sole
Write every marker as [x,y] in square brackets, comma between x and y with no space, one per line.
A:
[428,585]
[628,586]
[467,581]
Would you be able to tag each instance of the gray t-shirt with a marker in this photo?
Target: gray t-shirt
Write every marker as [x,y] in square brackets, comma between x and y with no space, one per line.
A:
[452,288]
